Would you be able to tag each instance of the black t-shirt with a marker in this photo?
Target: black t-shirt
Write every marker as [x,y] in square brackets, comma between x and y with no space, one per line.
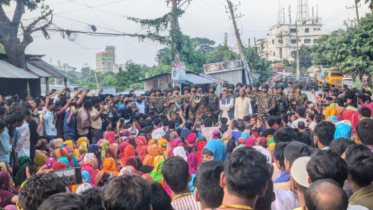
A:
[34,137]
[268,132]
[126,113]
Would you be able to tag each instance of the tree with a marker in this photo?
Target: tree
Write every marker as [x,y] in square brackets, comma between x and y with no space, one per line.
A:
[132,76]
[14,46]
[221,53]
[258,64]
[369,2]
[91,85]
[85,72]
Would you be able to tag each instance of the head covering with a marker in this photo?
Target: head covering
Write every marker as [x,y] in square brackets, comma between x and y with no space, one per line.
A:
[111,152]
[215,134]
[147,177]
[175,143]
[122,146]
[85,176]
[109,166]
[91,161]
[241,140]
[131,161]
[128,151]
[6,192]
[72,160]
[152,141]
[83,148]
[69,143]
[91,173]
[157,160]
[191,139]
[39,161]
[217,148]
[158,133]
[263,142]
[157,175]
[93,148]
[200,146]
[299,171]
[333,119]
[82,139]
[65,160]
[179,151]
[141,147]
[126,170]
[59,166]
[57,143]
[226,137]
[131,141]
[192,162]
[342,130]
[250,141]
[245,135]
[110,136]
[82,188]
[104,145]
[164,149]
[60,152]
[150,154]
[4,166]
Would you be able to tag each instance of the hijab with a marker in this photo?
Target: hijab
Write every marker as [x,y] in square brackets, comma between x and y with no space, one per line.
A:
[49,162]
[93,148]
[91,161]
[164,149]
[83,148]
[152,141]
[179,151]
[131,161]
[157,176]
[82,140]
[110,136]
[143,168]
[175,143]
[64,160]
[39,161]
[131,140]
[191,139]
[4,166]
[200,146]
[60,152]
[104,145]
[157,160]
[57,143]
[6,192]
[91,173]
[217,148]
[215,134]
[250,142]
[245,135]
[23,162]
[149,157]
[73,161]
[141,147]
[128,152]
[111,152]
[122,146]
[192,162]
[85,176]
[109,166]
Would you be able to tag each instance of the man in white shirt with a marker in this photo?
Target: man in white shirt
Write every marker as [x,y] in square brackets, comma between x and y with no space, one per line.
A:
[311,121]
[242,105]
[140,104]
[22,145]
[300,114]
[49,126]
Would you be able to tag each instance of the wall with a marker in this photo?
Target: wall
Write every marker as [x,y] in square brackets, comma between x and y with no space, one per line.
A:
[158,82]
[233,77]
[19,86]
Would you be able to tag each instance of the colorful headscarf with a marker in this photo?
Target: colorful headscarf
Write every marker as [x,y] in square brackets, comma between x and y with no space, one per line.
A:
[83,148]
[93,148]
[149,157]
[245,135]
[131,161]
[59,165]
[179,151]
[82,188]
[109,166]
[65,160]
[110,136]
[91,173]
[250,142]
[157,160]
[4,166]
[128,152]
[39,161]
[73,161]
[104,145]
[49,162]
[164,149]
[157,175]
[200,146]
[82,139]
[192,139]
[6,192]
[57,143]
[218,149]
[122,146]
[60,152]
[141,147]
[85,176]
[111,152]
[192,162]
[215,134]
[92,161]
[152,141]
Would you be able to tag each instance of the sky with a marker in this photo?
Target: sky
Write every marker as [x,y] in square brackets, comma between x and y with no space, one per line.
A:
[202,18]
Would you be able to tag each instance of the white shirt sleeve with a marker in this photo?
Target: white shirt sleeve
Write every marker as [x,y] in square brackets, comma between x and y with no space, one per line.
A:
[250,109]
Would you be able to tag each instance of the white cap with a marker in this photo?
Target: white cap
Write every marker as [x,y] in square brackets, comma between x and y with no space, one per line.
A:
[299,171]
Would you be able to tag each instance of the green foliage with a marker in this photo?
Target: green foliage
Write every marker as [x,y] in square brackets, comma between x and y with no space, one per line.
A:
[2,49]
[30,4]
[221,53]
[132,75]
[369,2]
[258,64]
[305,58]
[85,73]
[91,85]
[351,50]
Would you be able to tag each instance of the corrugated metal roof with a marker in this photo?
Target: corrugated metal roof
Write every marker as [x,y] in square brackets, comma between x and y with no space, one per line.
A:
[7,70]
[198,79]
[37,71]
[46,67]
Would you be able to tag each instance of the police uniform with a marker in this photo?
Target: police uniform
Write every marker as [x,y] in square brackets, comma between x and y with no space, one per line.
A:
[300,100]
[174,109]
[157,103]
[267,102]
[281,101]
[214,105]
[202,107]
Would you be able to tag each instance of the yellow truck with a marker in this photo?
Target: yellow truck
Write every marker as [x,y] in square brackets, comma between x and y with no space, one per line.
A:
[331,75]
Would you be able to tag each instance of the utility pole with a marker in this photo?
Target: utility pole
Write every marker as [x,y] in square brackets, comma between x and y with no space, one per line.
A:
[296,28]
[175,27]
[254,41]
[248,45]
[356,7]
[239,43]
[226,39]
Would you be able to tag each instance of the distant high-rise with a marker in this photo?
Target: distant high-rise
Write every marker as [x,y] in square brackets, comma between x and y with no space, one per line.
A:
[105,60]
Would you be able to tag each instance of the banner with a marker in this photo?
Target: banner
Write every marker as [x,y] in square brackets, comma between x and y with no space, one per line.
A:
[222,66]
[178,72]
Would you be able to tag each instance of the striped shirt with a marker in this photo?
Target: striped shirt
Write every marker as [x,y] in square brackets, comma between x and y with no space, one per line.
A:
[186,203]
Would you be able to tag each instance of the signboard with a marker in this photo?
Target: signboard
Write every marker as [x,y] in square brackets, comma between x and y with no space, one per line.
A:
[222,66]
[178,72]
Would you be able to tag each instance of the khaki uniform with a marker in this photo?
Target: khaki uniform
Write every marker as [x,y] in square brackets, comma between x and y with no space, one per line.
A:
[173,108]
[188,109]
[157,102]
[201,108]
[282,104]
[300,100]
[268,103]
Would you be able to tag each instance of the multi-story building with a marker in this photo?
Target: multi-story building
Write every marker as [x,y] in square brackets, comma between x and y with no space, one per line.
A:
[105,60]
[282,42]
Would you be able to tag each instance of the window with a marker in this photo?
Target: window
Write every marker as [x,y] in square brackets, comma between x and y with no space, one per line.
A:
[280,41]
[307,41]
[274,54]
[315,41]
[293,53]
[293,41]
[293,30]
[314,29]
[335,74]
[273,41]
[307,30]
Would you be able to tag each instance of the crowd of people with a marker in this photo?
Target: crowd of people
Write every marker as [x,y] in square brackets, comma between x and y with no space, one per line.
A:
[249,148]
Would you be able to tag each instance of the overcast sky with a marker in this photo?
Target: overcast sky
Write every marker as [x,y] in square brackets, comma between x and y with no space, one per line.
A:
[202,18]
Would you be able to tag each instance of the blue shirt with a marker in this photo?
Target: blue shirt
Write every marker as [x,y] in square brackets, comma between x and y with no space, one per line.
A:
[69,128]
[236,135]
[184,133]
[120,106]
[284,176]
[5,146]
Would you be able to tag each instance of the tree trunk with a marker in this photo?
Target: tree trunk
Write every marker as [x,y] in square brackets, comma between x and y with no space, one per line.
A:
[16,56]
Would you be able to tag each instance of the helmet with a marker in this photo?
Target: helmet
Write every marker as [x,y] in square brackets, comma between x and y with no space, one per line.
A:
[256,84]
[193,85]
[231,86]
[152,90]
[265,86]
[213,87]
[298,86]
[239,84]
[186,88]
[168,90]
[280,86]
[147,93]
[177,88]
[225,84]
[158,90]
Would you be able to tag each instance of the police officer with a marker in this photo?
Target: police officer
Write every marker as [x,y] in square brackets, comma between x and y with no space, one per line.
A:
[239,85]
[225,85]
[265,103]
[166,109]
[214,104]
[156,102]
[202,107]
[298,100]
[230,90]
[174,103]
[188,99]
[282,102]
